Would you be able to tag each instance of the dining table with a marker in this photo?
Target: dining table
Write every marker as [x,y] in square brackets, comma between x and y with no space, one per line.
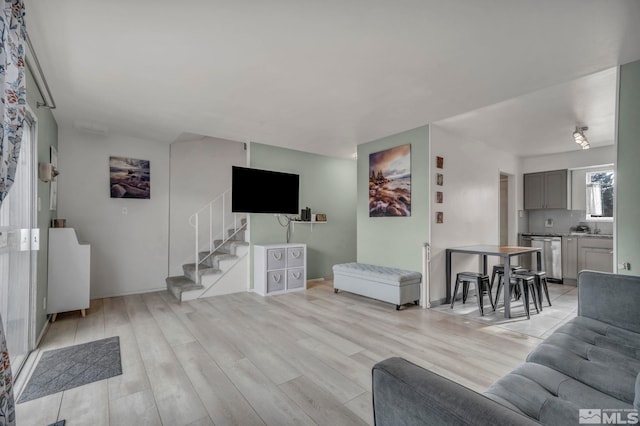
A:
[503,252]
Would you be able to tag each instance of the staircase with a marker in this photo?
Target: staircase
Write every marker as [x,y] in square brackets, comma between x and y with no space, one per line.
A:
[220,260]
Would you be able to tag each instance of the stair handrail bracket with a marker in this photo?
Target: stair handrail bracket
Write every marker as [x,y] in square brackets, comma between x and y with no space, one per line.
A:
[215,216]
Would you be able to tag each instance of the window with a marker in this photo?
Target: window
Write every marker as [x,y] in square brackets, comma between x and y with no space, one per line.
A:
[600,195]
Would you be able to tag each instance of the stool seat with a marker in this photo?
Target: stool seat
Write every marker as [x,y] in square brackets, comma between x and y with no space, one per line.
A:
[471,274]
[499,270]
[524,274]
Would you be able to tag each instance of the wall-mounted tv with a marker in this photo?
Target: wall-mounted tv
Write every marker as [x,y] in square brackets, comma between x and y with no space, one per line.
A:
[264,191]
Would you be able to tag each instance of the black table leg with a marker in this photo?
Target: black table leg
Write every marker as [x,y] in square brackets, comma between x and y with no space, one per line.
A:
[539,259]
[448,266]
[484,264]
[507,286]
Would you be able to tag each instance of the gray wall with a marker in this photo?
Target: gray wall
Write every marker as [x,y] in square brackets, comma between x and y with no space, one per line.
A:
[327,185]
[47,137]
[628,173]
[129,252]
[395,241]
[200,171]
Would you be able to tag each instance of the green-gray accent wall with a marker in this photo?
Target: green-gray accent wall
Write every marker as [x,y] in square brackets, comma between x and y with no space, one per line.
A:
[327,185]
[47,131]
[628,174]
[395,241]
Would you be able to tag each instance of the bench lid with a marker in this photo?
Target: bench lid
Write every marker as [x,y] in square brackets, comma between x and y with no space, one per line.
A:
[379,273]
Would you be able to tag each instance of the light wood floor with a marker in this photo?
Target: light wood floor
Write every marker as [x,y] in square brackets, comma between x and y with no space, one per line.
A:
[299,358]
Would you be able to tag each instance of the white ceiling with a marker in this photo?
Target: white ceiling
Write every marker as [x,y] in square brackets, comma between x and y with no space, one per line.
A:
[543,122]
[319,76]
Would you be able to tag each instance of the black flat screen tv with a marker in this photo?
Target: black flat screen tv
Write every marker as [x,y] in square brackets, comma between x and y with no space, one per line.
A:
[264,191]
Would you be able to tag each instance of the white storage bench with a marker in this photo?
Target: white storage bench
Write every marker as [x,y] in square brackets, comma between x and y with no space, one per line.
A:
[391,285]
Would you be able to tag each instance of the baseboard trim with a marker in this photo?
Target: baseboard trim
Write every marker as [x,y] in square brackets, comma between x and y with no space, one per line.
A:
[438,302]
[130,293]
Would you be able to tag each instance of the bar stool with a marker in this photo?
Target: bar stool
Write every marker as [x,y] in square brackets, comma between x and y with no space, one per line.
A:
[541,284]
[524,282]
[481,282]
[499,270]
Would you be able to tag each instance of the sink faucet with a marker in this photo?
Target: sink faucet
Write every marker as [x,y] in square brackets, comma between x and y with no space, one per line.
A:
[595,228]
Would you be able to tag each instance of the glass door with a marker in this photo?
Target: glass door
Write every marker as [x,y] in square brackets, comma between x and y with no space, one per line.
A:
[18,240]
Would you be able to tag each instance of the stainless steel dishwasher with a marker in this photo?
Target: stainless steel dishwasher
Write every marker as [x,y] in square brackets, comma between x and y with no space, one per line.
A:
[526,261]
[551,255]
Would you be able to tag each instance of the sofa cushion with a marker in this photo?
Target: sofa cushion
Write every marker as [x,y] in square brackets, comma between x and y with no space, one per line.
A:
[598,355]
[610,298]
[603,335]
[547,395]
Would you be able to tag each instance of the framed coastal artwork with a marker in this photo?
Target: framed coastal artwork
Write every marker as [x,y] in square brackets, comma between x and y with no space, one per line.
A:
[390,182]
[53,188]
[129,178]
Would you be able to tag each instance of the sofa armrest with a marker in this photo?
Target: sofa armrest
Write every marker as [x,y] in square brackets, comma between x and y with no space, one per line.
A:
[406,394]
[611,298]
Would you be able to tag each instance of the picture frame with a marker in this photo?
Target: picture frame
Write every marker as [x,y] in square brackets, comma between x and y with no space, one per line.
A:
[390,182]
[439,197]
[440,162]
[439,179]
[53,186]
[439,217]
[129,178]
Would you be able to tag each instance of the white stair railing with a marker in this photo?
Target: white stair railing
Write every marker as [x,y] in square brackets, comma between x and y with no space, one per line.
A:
[214,222]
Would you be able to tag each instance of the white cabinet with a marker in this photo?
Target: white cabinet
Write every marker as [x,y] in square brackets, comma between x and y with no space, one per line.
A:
[278,268]
[69,272]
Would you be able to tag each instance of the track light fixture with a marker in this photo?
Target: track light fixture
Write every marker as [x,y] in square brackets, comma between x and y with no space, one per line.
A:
[580,137]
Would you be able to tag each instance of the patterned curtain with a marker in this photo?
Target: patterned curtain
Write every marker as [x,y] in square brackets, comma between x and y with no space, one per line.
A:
[12,108]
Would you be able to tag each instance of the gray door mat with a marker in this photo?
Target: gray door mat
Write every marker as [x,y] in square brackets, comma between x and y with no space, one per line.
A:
[66,368]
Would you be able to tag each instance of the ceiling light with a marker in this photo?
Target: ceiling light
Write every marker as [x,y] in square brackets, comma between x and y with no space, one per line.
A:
[580,137]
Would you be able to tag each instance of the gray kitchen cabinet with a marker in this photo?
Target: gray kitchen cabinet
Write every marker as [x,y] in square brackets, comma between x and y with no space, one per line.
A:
[545,190]
[569,258]
[533,191]
[595,254]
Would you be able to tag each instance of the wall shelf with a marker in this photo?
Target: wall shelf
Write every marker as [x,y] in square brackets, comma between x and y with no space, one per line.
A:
[306,222]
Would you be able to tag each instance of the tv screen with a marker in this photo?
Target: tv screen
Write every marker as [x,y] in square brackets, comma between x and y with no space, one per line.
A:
[263,191]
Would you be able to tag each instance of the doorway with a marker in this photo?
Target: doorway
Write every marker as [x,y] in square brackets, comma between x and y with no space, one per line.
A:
[504,209]
[18,244]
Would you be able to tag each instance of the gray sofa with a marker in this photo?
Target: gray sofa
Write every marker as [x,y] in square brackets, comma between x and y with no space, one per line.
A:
[591,362]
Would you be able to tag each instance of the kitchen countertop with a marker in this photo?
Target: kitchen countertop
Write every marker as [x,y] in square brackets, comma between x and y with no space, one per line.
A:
[570,234]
